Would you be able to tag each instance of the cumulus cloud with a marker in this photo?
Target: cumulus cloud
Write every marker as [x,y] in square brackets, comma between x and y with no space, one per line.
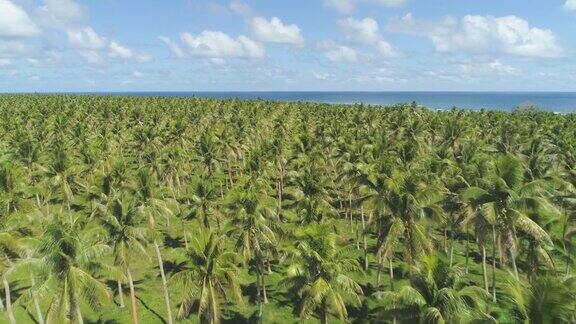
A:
[5,62]
[216,44]
[92,46]
[85,37]
[15,22]
[338,53]
[275,31]
[342,6]
[348,6]
[483,34]
[367,31]
[342,54]
[570,5]
[117,50]
[174,48]
[364,31]
[387,50]
[240,8]
[61,13]
[92,57]
[13,49]
[487,69]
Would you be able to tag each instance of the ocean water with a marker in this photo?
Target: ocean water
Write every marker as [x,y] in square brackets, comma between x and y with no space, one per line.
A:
[561,102]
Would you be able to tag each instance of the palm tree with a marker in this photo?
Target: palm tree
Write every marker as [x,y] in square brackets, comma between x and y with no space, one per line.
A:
[405,199]
[125,234]
[209,277]
[151,203]
[201,196]
[8,249]
[66,253]
[436,294]
[544,299]
[254,236]
[309,193]
[514,204]
[318,274]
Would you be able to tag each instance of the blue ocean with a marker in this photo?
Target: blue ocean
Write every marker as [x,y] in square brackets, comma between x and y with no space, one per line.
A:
[561,102]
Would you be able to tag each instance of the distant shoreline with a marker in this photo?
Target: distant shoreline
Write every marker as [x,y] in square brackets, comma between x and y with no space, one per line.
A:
[558,102]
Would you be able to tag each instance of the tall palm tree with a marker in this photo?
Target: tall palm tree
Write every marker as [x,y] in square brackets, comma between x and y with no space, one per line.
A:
[514,204]
[65,255]
[544,299]
[209,277]
[436,294]
[405,199]
[126,235]
[201,196]
[252,214]
[151,203]
[318,273]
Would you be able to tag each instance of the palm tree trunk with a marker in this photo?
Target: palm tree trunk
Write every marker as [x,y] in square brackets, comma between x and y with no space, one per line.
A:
[451,249]
[164,285]
[467,249]
[493,264]
[264,293]
[259,295]
[185,235]
[357,234]
[120,294]
[132,297]
[350,211]
[514,267]
[324,313]
[279,190]
[1,304]
[36,303]
[445,240]
[364,240]
[9,302]
[79,314]
[484,271]
[391,269]
[378,273]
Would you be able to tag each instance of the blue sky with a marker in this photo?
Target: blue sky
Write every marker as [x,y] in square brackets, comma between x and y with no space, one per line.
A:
[371,45]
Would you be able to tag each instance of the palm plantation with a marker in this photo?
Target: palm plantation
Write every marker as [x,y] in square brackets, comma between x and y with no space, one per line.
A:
[163,210]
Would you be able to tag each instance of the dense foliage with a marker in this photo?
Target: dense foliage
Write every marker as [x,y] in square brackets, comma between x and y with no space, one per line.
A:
[119,209]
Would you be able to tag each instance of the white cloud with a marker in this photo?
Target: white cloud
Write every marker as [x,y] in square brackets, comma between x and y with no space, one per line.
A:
[216,44]
[174,48]
[342,6]
[367,31]
[12,48]
[275,31]
[488,69]
[407,24]
[240,8]
[390,3]
[117,50]
[86,38]
[348,6]
[15,22]
[364,31]
[5,62]
[61,13]
[387,50]
[92,47]
[92,57]
[484,34]
[570,5]
[338,53]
